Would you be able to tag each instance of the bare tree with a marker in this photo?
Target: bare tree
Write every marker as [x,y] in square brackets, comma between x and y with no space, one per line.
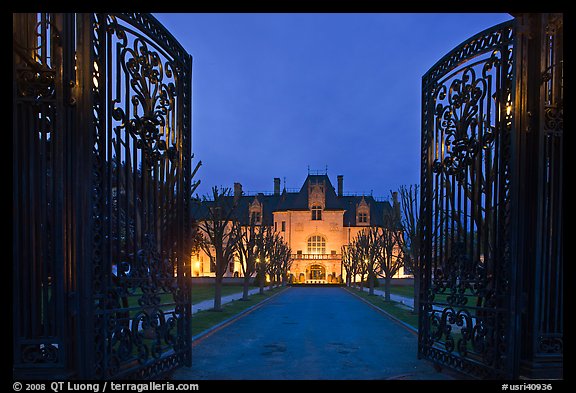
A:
[272,265]
[357,265]
[390,256]
[280,260]
[285,261]
[219,240]
[247,251]
[367,249]
[264,241]
[360,266]
[348,262]
[412,228]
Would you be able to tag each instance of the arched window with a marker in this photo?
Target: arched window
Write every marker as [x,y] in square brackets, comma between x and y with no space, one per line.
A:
[316,212]
[316,245]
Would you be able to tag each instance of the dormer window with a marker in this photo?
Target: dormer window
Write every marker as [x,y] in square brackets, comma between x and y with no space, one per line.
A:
[363,213]
[256,217]
[316,213]
[255,211]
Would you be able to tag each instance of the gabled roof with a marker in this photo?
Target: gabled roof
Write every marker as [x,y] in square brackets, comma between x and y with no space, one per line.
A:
[299,200]
[377,209]
[287,201]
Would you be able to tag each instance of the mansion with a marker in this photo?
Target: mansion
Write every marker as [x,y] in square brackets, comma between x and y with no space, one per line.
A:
[315,222]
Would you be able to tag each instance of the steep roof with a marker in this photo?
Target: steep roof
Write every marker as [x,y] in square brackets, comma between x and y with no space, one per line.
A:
[377,209]
[299,201]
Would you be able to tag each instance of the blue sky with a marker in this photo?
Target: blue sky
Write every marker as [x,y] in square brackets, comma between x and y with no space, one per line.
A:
[276,93]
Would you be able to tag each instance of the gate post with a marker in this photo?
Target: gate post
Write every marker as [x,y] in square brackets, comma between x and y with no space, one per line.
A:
[537,203]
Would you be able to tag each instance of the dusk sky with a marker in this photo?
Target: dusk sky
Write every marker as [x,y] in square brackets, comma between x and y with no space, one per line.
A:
[274,94]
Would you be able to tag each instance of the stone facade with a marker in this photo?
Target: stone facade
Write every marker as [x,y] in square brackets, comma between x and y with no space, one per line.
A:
[316,222]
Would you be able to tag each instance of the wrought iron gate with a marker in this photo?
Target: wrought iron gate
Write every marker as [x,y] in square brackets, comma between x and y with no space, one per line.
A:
[478,221]
[467,98]
[101,187]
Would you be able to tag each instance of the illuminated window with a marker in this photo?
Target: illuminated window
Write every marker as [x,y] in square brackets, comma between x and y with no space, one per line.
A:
[317,272]
[316,245]
[256,217]
[316,213]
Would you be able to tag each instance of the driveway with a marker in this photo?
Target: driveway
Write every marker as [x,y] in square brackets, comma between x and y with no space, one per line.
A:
[307,333]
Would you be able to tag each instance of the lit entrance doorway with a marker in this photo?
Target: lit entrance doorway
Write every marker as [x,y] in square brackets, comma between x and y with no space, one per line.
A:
[317,275]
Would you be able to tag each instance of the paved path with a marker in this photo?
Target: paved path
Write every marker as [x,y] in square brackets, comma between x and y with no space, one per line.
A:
[407,301]
[209,304]
[310,333]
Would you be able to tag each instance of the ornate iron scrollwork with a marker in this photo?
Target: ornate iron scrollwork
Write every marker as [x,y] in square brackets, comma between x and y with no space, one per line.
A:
[35,78]
[38,85]
[458,118]
[101,193]
[465,139]
[152,97]
[144,315]
[40,353]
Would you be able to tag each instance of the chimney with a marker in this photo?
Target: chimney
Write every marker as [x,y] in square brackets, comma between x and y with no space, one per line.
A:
[340,185]
[276,186]
[237,190]
[396,205]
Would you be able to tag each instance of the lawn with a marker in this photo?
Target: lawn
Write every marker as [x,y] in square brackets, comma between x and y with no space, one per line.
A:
[401,290]
[408,291]
[201,292]
[394,308]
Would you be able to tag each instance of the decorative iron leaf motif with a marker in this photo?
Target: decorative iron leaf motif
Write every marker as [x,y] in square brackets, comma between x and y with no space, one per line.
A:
[153,100]
[457,118]
[37,85]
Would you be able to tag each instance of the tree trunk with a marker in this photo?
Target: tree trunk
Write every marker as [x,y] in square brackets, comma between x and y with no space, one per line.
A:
[387,281]
[371,283]
[262,282]
[218,294]
[245,288]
